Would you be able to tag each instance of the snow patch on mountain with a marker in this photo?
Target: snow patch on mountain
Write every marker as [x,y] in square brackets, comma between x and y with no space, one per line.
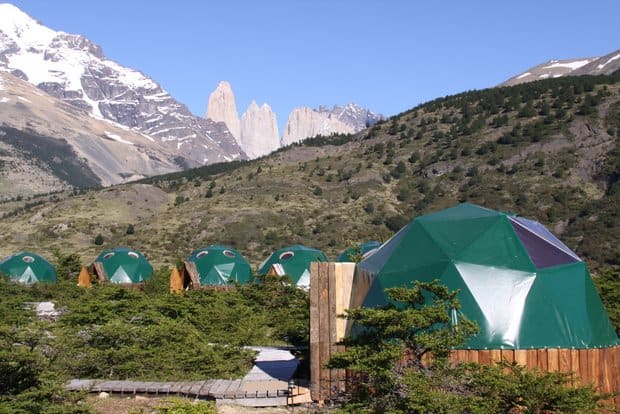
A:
[602,65]
[117,138]
[570,65]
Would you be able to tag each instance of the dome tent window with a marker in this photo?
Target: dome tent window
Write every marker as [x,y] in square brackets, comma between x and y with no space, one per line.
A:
[202,253]
[28,259]
[133,255]
[108,255]
[228,253]
[287,255]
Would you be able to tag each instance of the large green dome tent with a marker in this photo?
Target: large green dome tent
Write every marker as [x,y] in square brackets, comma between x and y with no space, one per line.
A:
[28,268]
[218,265]
[522,285]
[361,249]
[122,265]
[293,261]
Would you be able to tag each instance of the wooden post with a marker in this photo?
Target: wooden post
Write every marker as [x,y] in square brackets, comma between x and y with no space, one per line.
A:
[315,360]
[176,281]
[84,278]
[330,293]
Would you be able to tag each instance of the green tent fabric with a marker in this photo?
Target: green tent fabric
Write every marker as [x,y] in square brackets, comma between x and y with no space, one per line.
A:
[221,265]
[126,266]
[293,261]
[28,268]
[522,285]
[362,249]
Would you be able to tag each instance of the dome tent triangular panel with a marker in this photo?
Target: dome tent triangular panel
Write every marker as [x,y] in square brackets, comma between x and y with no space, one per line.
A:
[123,266]
[516,304]
[220,265]
[293,261]
[28,268]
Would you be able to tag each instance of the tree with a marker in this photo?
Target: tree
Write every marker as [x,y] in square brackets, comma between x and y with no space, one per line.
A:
[415,323]
[130,229]
[69,265]
[389,353]
[99,239]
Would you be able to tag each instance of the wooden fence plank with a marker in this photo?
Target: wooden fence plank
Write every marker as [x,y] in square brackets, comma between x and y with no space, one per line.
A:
[553,361]
[496,355]
[324,330]
[565,360]
[521,357]
[543,360]
[584,371]
[315,361]
[594,366]
[532,358]
[574,365]
[473,356]
[333,274]
[484,356]
[508,355]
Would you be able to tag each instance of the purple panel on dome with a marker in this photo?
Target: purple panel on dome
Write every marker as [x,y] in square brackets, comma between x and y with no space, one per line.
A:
[542,232]
[542,252]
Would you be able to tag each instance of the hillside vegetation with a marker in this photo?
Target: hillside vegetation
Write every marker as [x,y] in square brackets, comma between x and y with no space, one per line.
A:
[546,150]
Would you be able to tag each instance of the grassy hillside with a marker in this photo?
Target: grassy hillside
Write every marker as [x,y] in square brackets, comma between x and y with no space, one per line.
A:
[547,150]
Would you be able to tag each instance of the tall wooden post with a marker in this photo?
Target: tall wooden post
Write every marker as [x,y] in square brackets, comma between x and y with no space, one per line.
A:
[330,296]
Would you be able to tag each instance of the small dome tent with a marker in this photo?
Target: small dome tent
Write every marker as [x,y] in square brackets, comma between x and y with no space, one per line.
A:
[216,265]
[524,287]
[361,249]
[28,268]
[122,265]
[293,261]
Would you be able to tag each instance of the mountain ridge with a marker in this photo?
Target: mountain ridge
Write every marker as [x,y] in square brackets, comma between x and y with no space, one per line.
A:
[603,65]
[555,164]
[75,70]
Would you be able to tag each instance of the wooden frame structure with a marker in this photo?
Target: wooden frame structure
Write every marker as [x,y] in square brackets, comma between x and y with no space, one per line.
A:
[335,287]
[188,278]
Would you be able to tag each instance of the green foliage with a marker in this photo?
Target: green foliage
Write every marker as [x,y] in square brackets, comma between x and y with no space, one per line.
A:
[286,307]
[387,352]
[111,332]
[608,284]
[416,322]
[178,406]
[68,266]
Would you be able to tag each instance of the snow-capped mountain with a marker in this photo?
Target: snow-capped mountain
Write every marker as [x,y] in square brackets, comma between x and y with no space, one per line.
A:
[603,65]
[72,68]
[48,145]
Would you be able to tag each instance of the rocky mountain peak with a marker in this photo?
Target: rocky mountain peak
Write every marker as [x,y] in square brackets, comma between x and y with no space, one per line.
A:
[259,130]
[222,108]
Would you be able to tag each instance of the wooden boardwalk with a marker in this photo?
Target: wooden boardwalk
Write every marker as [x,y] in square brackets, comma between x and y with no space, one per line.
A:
[267,384]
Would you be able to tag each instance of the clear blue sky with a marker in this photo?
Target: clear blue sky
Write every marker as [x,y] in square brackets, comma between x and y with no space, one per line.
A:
[384,55]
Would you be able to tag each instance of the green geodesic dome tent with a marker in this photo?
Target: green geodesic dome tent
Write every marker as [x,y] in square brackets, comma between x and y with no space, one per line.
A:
[523,286]
[362,249]
[122,265]
[220,265]
[293,261]
[28,268]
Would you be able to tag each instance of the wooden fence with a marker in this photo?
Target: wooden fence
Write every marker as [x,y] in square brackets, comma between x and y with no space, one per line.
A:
[335,287]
